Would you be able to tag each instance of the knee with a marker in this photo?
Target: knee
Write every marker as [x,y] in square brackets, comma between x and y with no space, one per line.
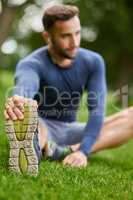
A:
[129,116]
[130,112]
[131,109]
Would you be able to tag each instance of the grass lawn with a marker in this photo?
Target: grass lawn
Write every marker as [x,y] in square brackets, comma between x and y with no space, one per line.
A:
[108,176]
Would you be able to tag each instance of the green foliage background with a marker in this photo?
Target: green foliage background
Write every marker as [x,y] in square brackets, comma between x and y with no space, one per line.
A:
[110,21]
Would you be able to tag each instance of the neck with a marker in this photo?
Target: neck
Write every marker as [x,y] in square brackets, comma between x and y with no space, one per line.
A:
[63,62]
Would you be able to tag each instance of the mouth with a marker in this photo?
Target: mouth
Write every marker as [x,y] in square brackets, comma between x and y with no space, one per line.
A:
[72,50]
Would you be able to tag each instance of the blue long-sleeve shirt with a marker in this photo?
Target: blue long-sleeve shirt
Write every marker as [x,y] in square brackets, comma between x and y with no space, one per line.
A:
[58,90]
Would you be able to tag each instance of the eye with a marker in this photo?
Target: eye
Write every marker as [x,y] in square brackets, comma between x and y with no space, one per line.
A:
[78,32]
[65,36]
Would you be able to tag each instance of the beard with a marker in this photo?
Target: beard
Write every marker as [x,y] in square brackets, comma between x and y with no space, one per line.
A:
[65,53]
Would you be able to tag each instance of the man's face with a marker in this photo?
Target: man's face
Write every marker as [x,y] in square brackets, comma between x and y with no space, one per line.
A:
[65,37]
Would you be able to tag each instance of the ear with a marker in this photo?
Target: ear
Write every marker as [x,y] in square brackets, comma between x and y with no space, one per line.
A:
[45,36]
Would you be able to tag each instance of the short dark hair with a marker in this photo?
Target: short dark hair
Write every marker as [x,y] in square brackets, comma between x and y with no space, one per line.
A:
[58,12]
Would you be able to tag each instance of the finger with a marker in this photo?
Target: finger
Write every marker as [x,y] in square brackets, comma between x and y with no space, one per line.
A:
[66,159]
[11,114]
[18,113]
[6,115]
[7,106]
[73,161]
[18,100]
[70,160]
[82,164]
[76,163]
[21,108]
[10,102]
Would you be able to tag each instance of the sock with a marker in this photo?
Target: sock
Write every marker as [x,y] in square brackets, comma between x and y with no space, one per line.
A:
[56,152]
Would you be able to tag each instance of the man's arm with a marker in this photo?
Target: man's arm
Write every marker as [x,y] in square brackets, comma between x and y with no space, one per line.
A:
[27,79]
[96,87]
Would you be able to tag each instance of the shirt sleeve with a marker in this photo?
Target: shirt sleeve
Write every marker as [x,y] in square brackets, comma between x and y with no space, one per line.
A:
[27,79]
[96,88]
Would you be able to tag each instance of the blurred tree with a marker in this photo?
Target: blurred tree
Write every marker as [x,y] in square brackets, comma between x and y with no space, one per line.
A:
[10,10]
[107,27]
[112,23]
[12,28]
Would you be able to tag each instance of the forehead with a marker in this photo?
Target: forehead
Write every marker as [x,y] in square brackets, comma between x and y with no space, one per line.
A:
[72,24]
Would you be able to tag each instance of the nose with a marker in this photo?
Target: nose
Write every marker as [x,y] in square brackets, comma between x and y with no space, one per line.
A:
[74,41]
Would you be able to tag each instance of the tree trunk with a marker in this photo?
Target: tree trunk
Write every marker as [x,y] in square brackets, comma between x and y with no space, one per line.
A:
[125,67]
[7,18]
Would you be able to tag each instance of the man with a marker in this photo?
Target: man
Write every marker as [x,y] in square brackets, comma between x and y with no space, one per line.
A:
[56,76]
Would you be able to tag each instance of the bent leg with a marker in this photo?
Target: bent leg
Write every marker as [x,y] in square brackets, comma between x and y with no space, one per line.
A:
[49,142]
[117,130]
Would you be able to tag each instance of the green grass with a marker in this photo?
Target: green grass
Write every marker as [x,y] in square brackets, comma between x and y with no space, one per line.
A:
[108,176]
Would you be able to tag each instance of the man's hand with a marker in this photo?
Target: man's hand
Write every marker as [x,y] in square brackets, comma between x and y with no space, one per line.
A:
[76,159]
[14,107]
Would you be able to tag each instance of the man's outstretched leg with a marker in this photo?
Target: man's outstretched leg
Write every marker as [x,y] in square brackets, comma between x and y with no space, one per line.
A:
[21,123]
[28,136]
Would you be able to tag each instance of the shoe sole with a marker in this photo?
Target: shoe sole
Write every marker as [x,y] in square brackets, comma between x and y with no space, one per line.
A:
[22,156]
